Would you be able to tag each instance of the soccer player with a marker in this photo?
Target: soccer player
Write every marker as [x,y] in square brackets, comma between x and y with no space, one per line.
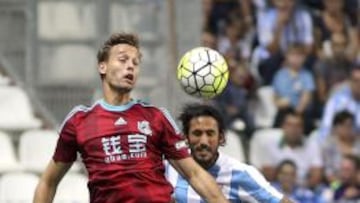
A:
[204,128]
[122,141]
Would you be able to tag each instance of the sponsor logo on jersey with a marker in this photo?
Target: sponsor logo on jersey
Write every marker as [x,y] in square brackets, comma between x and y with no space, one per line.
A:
[114,147]
[120,121]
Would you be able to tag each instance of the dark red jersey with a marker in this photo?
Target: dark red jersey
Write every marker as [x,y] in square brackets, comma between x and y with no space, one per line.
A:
[122,148]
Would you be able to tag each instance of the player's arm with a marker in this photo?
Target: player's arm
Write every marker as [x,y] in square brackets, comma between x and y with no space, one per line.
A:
[199,179]
[46,188]
[258,187]
[286,200]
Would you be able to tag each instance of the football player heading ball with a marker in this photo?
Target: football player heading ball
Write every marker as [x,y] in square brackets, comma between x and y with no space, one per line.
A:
[122,141]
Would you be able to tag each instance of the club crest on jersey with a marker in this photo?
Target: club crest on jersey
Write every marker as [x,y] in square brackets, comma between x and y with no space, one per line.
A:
[144,127]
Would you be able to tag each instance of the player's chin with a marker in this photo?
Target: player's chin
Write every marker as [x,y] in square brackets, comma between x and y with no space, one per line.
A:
[203,157]
[124,88]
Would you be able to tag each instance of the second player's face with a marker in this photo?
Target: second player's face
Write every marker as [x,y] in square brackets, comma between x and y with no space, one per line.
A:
[204,140]
[122,67]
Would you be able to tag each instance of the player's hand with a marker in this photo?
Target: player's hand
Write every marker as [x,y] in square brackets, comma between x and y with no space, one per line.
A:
[283,17]
[283,102]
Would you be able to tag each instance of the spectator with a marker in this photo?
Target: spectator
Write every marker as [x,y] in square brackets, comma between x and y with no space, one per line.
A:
[350,8]
[208,40]
[341,142]
[237,38]
[348,189]
[345,98]
[215,14]
[333,69]
[293,145]
[278,28]
[207,7]
[234,100]
[293,86]
[333,20]
[286,174]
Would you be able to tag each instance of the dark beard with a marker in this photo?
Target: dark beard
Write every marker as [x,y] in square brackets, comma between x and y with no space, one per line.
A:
[205,164]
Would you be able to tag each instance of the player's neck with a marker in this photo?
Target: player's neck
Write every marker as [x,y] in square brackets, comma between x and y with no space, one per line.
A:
[208,165]
[116,98]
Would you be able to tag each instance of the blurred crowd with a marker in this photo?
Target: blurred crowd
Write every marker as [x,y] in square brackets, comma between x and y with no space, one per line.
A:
[308,53]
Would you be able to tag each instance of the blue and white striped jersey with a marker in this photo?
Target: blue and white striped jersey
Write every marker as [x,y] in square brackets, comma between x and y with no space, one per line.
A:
[238,181]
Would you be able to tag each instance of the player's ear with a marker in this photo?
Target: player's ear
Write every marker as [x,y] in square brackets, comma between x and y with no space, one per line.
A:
[102,68]
[222,139]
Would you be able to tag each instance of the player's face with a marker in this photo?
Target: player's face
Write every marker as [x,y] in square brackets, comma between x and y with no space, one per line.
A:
[293,129]
[122,67]
[204,139]
[287,175]
[347,170]
[295,59]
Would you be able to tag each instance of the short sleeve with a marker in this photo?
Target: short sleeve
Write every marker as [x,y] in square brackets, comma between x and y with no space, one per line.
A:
[265,27]
[66,147]
[308,28]
[173,143]
[309,84]
[315,151]
[277,82]
[254,183]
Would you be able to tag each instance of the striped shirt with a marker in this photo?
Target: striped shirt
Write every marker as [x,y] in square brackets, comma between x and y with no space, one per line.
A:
[238,181]
[299,29]
[341,100]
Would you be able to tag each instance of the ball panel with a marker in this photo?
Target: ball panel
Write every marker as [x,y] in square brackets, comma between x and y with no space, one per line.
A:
[223,82]
[209,79]
[200,66]
[213,55]
[183,72]
[204,71]
[208,88]
[200,82]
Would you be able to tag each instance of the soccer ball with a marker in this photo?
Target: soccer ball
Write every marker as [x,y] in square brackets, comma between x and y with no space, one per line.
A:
[203,72]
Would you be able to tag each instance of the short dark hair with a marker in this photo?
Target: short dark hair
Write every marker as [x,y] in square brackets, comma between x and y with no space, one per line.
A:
[115,39]
[342,116]
[195,110]
[290,112]
[286,162]
[298,47]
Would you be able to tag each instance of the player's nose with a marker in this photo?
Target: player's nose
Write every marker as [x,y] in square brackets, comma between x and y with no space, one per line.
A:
[130,65]
[204,139]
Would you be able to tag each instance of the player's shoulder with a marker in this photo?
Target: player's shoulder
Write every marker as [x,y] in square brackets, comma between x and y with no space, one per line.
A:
[79,109]
[75,112]
[232,164]
[157,110]
[148,105]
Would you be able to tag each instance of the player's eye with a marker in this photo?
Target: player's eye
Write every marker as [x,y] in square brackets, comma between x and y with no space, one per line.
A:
[122,60]
[210,133]
[196,133]
[136,62]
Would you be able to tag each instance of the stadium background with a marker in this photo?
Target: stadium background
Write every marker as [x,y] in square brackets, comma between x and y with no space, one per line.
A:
[48,65]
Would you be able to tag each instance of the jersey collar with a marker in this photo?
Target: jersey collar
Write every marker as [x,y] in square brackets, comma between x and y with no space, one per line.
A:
[118,108]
